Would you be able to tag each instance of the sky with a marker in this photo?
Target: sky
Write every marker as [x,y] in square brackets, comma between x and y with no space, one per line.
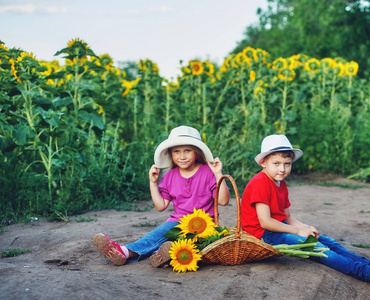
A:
[164,31]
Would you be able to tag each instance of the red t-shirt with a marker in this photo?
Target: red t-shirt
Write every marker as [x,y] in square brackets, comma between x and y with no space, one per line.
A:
[262,189]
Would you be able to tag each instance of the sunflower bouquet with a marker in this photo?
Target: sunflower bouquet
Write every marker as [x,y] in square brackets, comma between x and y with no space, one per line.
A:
[195,232]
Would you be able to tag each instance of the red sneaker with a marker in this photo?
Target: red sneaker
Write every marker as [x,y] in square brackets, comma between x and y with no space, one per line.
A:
[109,249]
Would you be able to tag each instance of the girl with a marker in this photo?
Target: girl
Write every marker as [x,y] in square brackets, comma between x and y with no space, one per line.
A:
[190,183]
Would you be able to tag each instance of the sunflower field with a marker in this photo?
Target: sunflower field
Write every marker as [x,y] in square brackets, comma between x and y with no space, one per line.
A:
[81,136]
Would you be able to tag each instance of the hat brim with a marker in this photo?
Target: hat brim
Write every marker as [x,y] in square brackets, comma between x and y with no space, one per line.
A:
[297,154]
[162,159]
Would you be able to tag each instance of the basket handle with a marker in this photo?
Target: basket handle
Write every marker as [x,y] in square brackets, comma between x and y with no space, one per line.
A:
[237,202]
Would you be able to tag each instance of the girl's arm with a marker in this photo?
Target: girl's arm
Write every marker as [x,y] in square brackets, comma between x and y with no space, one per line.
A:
[223,195]
[159,203]
[268,223]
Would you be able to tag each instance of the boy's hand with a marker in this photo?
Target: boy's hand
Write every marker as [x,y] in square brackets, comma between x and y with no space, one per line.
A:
[154,174]
[307,231]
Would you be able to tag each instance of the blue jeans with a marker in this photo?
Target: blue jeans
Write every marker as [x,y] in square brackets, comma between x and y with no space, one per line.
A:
[150,242]
[339,258]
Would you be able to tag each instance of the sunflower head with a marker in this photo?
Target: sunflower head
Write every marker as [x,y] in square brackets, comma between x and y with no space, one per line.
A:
[148,66]
[199,223]
[351,68]
[312,65]
[286,74]
[106,60]
[76,48]
[196,67]
[184,256]
[252,76]
[279,63]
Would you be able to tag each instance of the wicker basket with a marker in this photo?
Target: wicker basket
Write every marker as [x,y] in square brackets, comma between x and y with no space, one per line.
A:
[239,247]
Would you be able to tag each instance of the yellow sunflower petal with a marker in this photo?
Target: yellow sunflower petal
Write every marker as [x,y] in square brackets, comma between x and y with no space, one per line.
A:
[198,222]
[184,256]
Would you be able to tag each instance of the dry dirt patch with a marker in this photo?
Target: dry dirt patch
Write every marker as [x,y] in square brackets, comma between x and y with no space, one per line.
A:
[80,272]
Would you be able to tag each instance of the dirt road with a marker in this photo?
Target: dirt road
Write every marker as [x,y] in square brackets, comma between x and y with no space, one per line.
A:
[341,213]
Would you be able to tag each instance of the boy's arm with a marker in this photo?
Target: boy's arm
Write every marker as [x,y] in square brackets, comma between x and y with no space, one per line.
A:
[268,223]
[294,222]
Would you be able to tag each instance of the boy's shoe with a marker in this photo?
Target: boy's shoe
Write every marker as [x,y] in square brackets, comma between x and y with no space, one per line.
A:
[109,249]
[161,257]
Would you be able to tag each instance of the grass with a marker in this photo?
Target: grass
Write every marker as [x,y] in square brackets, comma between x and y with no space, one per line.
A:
[342,185]
[14,252]
[146,224]
[361,246]
[88,219]
[135,207]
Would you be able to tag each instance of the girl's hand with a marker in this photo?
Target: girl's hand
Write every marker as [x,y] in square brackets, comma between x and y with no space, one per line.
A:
[154,174]
[216,167]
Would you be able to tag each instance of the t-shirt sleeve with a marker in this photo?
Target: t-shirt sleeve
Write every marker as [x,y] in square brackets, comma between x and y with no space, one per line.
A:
[259,193]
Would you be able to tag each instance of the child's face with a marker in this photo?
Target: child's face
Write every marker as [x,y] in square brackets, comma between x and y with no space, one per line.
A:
[184,157]
[277,167]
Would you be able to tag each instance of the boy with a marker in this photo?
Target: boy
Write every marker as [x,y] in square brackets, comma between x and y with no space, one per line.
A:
[265,209]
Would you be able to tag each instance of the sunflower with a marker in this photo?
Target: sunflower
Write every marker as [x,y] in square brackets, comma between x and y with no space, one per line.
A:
[280,63]
[13,70]
[209,67]
[252,76]
[339,69]
[184,256]
[294,61]
[312,65]
[287,74]
[351,68]
[77,48]
[258,91]
[225,65]
[198,222]
[251,53]
[328,62]
[242,59]
[148,65]
[197,67]
[128,85]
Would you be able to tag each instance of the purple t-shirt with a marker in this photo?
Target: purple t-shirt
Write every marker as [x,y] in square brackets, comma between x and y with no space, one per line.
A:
[197,192]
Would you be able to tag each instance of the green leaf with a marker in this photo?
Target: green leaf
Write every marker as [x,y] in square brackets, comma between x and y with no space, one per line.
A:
[84,86]
[172,234]
[21,133]
[57,75]
[219,229]
[92,118]
[61,102]
[311,239]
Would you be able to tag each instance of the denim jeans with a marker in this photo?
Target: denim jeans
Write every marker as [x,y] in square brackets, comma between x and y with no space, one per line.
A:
[339,258]
[150,242]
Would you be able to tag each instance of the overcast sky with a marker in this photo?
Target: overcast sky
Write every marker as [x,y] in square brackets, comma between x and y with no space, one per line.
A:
[165,31]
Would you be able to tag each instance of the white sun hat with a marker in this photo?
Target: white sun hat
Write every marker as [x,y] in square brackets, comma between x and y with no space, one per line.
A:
[179,136]
[276,142]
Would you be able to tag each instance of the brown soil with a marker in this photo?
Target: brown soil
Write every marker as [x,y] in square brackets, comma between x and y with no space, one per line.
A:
[80,272]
